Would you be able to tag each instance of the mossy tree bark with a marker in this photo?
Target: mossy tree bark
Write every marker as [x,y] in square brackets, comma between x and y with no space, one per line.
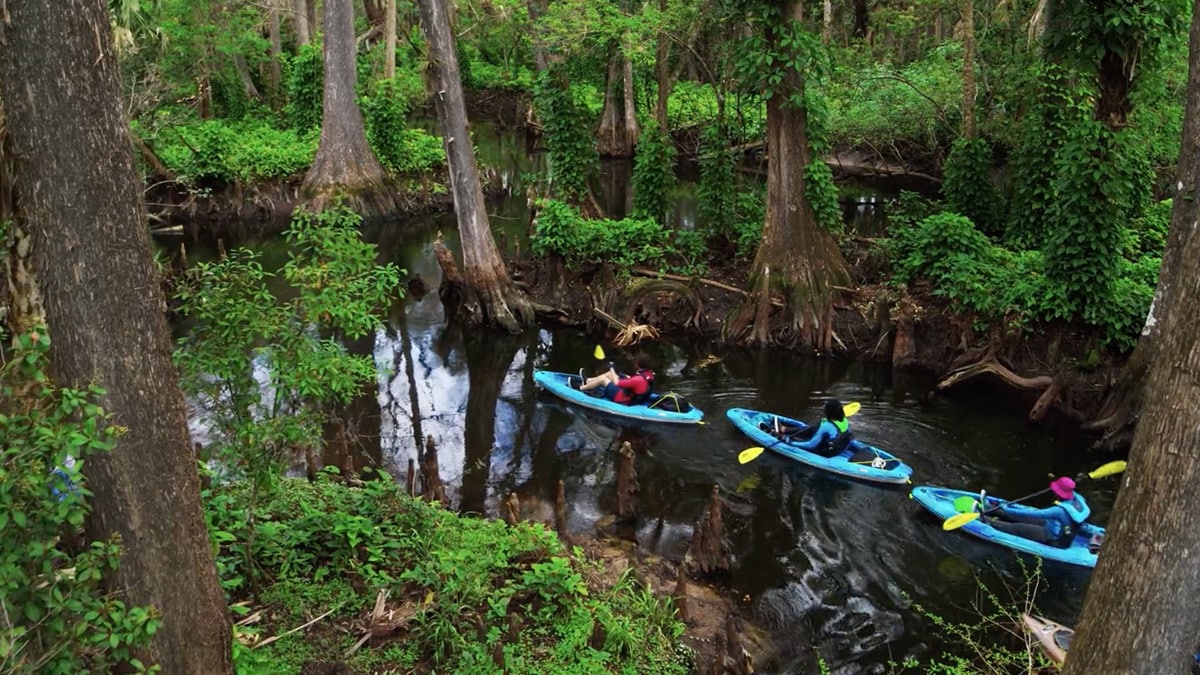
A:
[1150,567]
[79,200]
[797,258]
[488,296]
[1125,400]
[345,165]
[968,90]
[618,131]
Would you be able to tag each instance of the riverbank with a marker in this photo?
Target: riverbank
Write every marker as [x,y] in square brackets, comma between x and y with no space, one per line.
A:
[329,577]
[1048,370]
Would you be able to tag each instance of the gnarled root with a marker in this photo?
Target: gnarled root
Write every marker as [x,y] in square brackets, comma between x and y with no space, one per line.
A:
[1049,387]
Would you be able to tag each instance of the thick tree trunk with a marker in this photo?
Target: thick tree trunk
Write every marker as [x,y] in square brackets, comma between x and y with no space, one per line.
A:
[1150,564]
[614,138]
[92,262]
[389,41]
[345,164]
[300,22]
[631,123]
[797,257]
[862,19]
[1124,402]
[243,71]
[662,74]
[490,298]
[275,68]
[968,91]
[376,11]
[536,9]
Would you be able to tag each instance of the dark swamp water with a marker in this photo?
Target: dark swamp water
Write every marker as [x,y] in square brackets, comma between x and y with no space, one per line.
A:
[826,563]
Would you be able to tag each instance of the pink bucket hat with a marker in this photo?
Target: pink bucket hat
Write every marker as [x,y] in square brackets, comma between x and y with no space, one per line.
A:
[1063,487]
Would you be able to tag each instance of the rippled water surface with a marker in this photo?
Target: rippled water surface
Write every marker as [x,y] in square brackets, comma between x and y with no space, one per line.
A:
[826,562]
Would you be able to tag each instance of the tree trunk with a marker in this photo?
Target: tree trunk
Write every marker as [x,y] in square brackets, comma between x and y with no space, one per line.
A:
[92,262]
[968,92]
[345,163]
[275,70]
[243,73]
[662,74]
[1149,566]
[862,19]
[631,123]
[389,37]
[614,138]
[490,298]
[376,11]
[314,18]
[796,257]
[826,21]
[300,21]
[536,9]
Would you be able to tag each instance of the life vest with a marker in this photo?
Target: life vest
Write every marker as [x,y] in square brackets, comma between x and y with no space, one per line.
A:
[1077,509]
[838,443]
[643,398]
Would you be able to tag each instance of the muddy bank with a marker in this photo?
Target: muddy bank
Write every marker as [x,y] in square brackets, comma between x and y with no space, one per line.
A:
[1047,372]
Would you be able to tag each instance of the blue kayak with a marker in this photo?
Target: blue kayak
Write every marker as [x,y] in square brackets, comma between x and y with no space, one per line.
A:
[941,502]
[656,410]
[858,460]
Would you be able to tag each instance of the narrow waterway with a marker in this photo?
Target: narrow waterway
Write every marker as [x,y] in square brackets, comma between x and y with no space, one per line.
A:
[825,563]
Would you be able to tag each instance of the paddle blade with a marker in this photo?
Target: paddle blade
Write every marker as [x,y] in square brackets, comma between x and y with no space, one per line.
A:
[598,353]
[851,408]
[955,522]
[1110,469]
[749,454]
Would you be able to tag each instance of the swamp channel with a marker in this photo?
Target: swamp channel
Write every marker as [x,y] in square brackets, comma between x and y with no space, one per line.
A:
[825,564]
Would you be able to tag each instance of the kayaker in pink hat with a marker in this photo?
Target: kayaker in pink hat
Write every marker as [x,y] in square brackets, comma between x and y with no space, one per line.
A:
[1054,525]
[1063,487]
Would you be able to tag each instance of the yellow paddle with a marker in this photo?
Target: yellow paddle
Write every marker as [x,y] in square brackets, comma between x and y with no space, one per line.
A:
[750,454]
[956,521]
[598,352]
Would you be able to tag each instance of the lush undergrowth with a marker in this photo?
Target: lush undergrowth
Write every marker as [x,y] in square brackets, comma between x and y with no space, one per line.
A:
[463,595]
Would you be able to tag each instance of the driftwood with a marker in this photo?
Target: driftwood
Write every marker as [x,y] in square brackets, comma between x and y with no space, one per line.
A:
[627,484]
[904,344]
[989,364]
[707,552]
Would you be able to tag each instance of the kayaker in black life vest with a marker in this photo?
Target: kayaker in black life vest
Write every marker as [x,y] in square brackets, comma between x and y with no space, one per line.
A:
[1054,525]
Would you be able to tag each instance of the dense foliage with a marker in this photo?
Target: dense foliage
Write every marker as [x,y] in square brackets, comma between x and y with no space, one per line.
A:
[473,595]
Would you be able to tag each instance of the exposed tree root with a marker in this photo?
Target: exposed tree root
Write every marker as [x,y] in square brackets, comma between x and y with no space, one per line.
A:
[989,364]
[497,302]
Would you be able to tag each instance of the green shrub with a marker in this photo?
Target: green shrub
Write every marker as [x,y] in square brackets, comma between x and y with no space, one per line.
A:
[58,616]
[476,588]
[968,188]
[306,89]
[222,151]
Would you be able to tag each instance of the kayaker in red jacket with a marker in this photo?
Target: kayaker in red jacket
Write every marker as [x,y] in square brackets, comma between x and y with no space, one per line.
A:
[631,390]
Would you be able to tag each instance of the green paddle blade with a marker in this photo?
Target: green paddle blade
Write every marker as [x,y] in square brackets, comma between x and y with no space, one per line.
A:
[749,454]
[1110,469]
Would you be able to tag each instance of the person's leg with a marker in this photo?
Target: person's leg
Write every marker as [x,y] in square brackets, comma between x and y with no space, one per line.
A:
[1027,530]
[599,381]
